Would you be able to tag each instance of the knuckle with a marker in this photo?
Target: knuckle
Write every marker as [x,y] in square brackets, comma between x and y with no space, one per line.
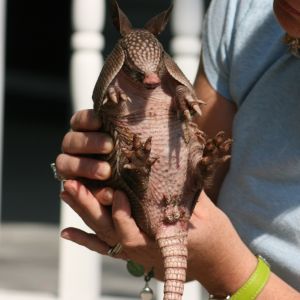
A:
[107,235]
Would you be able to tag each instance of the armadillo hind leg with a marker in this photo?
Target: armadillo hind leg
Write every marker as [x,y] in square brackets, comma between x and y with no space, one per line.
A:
[216,152]
[135,167]
[139,155]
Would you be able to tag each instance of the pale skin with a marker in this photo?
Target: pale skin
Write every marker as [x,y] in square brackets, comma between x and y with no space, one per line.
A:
[217,256]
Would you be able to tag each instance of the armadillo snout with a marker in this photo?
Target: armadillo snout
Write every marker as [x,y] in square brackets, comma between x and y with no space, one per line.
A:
[151,80]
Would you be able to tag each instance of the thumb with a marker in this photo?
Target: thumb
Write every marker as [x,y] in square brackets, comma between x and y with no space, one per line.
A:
[124,223]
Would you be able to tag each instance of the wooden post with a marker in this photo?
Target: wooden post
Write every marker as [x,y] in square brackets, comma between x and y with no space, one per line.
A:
[186,25]
[80,269]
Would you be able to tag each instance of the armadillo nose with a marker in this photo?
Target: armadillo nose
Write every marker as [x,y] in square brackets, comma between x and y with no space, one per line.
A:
[151,81]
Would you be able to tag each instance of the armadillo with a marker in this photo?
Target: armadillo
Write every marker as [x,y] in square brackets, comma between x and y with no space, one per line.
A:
[160,158]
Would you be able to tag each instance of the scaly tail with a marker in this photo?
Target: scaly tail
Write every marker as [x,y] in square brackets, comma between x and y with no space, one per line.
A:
[174,252]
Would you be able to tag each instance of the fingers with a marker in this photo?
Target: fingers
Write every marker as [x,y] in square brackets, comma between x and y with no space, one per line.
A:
[136,244]
[87,143]
[125,225]
[111,226]
[90,209]
[89,240]
[69,166]
[85,120]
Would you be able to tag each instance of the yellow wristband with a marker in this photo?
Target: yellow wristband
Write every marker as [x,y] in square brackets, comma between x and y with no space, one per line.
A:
[255,283]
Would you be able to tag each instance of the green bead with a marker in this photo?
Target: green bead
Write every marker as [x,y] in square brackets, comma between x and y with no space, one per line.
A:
[135,269]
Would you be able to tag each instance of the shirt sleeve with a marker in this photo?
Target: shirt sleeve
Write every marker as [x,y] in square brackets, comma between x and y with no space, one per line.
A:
[217,36]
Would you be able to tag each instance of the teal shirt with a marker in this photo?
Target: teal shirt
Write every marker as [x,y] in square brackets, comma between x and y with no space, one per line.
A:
[246,61]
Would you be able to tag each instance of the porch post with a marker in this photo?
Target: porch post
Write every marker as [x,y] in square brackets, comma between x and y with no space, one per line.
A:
[186,26]
[80,269]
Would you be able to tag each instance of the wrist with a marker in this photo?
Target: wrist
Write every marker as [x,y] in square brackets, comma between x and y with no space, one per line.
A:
[219,259]
[232,273]
[253,285]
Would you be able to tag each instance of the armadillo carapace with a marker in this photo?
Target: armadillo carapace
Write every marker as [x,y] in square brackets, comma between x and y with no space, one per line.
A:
[160,158]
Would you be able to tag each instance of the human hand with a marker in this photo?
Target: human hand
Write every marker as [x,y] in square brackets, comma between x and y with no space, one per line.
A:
[79,145]
[217,256]
[112,223]
[95,206]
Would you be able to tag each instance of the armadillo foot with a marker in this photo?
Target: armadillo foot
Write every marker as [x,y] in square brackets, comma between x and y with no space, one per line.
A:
[187,102]
[216,152]
[139,156]
[115,95]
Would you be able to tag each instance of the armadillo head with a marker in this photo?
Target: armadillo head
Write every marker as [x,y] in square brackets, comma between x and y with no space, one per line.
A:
[143,57]
[142,50]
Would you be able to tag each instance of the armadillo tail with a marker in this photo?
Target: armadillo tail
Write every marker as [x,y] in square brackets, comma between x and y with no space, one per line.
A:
[174,252]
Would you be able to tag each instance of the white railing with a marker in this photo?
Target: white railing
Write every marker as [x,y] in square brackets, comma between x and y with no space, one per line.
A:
[87,43]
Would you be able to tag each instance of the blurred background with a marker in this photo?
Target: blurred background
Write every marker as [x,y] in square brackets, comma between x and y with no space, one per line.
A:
[37,108]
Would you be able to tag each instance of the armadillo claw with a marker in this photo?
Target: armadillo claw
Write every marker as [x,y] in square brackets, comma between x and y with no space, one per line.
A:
[197,109]
[187,102]
[115,95]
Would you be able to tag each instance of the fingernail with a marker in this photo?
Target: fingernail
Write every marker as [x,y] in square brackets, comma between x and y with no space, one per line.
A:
[65,235]
[107,145]
[70,186]
[109,194]
[104,171]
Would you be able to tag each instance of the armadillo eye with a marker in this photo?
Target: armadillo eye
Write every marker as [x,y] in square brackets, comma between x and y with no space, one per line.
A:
[135,74]
[139,75]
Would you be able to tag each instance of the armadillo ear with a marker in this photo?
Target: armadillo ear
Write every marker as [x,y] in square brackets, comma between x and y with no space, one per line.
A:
[158,23]
[120,20]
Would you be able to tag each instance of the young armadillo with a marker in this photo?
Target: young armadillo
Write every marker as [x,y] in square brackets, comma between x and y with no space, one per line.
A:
[160,158]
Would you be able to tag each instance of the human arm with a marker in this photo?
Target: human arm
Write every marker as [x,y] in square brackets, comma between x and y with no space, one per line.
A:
[218,114]
[217,256]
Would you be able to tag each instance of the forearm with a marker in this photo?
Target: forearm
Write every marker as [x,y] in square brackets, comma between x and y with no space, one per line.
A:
[226,263]
[217,115]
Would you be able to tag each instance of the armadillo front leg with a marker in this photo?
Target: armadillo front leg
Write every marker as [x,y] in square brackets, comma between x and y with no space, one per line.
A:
[115,95]
[186,101]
